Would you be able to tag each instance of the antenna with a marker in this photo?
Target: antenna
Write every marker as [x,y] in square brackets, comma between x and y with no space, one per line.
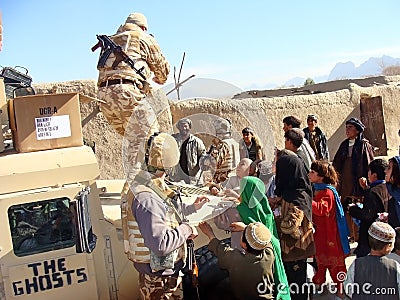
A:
[178,82]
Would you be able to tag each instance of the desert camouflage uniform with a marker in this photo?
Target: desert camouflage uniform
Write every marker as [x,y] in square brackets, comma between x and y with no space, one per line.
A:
[156,287]
[226,157]
[163,153]
[125,98]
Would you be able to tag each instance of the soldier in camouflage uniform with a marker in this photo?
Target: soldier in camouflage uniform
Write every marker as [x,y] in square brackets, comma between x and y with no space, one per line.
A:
[224,153]
[123,89]
[157,231]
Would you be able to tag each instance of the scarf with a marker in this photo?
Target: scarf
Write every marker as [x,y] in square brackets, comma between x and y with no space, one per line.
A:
[255,208]
[393,190]
[395,193]
[376,182]
[356,157]
[340,217]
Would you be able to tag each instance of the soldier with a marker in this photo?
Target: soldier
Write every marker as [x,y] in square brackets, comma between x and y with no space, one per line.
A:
[154,226]
[123,89]
[224,153]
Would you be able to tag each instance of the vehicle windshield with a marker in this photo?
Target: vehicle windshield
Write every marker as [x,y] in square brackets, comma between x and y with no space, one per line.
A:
[42,226]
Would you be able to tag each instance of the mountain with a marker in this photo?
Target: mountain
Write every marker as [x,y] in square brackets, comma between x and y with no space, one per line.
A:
[372,67]
[213,88]
[295,81]
[344,70]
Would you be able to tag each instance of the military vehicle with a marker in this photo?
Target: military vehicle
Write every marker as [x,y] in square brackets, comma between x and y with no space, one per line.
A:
[62,235]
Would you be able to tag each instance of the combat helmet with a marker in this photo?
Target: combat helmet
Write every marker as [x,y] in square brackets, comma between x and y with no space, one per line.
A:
[222,126]
[162,152]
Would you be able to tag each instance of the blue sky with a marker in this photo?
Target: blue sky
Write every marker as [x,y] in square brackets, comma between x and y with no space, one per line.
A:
[246,43]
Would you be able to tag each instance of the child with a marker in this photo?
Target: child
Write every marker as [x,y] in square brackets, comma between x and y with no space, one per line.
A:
[251,273]
[393,185]
[375,201]
[396,254]
[330,236]
[254,207]
[231,186]
[375,272]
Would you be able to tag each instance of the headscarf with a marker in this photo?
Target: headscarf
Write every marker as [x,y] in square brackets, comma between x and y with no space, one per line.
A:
[255,208]
[356,123]
[184,121]
[340,217]
[394,190]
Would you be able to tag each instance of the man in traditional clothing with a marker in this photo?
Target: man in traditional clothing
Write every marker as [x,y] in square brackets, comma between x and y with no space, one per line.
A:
[351,162]
[191,150]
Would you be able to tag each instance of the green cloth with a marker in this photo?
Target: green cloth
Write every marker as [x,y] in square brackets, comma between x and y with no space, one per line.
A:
[255,208]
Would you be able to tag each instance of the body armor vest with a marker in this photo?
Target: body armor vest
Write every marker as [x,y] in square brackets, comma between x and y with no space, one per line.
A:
[134,246]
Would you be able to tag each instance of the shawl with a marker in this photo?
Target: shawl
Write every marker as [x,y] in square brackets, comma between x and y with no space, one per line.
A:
[376,182]
[255,208]
[393,190]
[362,155]
[340,217]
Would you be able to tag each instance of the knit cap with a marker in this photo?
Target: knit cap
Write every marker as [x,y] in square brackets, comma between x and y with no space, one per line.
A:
[257,235]
[265,167]
[382,232]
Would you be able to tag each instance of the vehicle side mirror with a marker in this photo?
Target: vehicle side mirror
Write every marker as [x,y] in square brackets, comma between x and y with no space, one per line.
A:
[86,239]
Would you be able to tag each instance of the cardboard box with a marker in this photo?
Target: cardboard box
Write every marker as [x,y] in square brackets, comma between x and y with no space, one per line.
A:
[42,122]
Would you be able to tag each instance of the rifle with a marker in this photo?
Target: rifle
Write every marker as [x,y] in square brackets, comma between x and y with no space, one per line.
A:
[108,46]
[191,258]
[192,265]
